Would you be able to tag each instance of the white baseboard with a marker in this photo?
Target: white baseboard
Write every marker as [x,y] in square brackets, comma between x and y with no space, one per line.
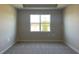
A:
[40,41]
[1,52]
[76,50]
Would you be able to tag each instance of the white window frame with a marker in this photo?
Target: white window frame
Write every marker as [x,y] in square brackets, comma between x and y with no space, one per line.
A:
[41,23]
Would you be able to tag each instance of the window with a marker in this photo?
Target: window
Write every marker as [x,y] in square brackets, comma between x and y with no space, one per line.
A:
[40,23]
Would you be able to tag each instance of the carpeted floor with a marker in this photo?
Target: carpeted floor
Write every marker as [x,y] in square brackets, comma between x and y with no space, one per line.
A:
[40,48]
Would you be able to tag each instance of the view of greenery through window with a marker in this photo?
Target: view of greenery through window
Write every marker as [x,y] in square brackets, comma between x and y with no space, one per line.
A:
[40,23]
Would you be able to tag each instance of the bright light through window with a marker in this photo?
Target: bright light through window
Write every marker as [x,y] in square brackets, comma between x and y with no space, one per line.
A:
[45,18]
[35,27]
[40,23]
[35,18]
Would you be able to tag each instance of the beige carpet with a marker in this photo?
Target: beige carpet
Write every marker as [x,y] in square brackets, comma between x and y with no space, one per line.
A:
[40,48]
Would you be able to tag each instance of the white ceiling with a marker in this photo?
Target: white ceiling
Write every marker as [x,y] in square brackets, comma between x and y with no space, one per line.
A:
[20,6]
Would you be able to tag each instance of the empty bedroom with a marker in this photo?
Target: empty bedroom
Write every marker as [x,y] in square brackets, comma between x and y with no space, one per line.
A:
[39,28]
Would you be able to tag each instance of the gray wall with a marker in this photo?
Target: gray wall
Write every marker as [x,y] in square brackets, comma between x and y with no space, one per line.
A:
[24,33]
[71,26]
[7,27]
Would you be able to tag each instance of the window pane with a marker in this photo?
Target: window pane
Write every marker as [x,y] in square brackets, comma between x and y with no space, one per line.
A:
[35,18]
[45,18]
[35,27]
[45,27]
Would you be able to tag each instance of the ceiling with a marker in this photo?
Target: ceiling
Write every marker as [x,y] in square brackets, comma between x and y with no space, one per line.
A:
[39,6]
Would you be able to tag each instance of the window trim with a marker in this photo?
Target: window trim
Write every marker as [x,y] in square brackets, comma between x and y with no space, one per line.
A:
[41,23]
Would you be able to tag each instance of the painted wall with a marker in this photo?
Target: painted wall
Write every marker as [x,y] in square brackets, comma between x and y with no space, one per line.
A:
[7,26]
[24,33]
[71,26]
